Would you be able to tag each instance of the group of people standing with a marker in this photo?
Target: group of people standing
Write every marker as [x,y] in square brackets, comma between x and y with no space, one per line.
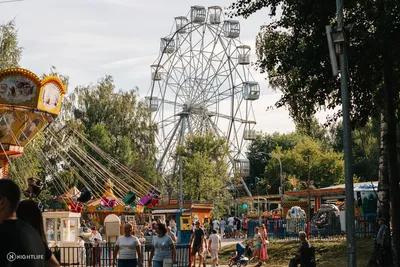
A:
[233,227]
[128,250]
[260,244]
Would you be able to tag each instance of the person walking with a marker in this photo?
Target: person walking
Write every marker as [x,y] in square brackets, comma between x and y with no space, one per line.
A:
[18,236]
[256,243]
[214,246]
[264,243]
[81,251]
[382,244]
[222,224]
[163,249]
[245,225]
[216,225]
[197,242]
[128,248]
[171,234]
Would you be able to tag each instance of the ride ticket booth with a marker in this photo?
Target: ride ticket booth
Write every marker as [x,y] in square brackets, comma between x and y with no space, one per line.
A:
[62,230]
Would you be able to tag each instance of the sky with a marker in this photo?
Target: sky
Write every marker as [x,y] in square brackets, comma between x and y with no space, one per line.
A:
[88,39]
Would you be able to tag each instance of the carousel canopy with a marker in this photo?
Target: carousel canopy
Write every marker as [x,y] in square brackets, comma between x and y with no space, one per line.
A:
[72,193]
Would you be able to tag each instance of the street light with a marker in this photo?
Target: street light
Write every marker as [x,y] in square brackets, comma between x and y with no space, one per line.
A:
[274,155]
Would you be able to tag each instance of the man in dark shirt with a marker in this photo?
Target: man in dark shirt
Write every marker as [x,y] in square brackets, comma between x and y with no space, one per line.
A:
[198,242]
[302,252]
[22,245]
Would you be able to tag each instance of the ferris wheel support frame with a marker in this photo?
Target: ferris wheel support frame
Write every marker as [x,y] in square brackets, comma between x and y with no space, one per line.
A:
[232,161]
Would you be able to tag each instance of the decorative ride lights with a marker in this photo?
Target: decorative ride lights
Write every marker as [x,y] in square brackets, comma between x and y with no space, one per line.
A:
[231,28]
[27,104]
[251,90]
[214,15]
[243,54]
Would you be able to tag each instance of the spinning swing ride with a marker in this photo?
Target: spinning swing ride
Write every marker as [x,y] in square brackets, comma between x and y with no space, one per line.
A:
[201,82]
[27,106]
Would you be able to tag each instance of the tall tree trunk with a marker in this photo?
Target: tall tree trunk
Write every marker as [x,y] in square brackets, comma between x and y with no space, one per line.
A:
[383,210]
[385,29]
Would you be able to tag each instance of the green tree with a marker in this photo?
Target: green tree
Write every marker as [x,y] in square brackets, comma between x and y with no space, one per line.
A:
[313,129]
[293,52]
[118,123]
[258,155]
[365,148]
[326,166]
[204,167]
[10,51]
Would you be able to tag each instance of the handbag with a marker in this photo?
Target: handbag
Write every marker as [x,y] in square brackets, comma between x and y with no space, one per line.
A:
[167,263]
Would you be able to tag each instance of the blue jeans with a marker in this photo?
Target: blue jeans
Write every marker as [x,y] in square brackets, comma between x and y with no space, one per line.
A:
[157,263]
[127,263]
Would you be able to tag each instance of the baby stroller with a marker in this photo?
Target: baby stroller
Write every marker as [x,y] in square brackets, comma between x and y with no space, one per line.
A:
[239,259]
[249,251]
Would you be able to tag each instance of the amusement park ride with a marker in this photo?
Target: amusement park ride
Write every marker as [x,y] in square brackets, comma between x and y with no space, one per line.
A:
[201,81]
[27,106]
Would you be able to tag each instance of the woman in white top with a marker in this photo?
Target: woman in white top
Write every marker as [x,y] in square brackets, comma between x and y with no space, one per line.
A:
[128,248]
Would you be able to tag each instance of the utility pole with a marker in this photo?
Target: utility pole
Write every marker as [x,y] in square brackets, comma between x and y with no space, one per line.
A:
[350,227]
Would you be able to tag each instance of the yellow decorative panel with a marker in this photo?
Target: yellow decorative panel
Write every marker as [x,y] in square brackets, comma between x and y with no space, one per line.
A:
[19,87]
[19,126]
[51,95]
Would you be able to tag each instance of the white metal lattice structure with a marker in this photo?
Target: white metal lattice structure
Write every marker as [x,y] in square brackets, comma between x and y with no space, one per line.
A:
[201,81]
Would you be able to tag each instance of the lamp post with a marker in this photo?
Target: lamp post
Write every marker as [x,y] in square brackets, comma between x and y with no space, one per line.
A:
[337,47]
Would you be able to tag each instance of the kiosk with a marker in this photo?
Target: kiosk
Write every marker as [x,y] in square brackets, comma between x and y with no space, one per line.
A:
[62,230]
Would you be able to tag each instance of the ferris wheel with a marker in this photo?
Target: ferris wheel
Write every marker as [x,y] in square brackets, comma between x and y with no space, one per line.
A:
[201,82]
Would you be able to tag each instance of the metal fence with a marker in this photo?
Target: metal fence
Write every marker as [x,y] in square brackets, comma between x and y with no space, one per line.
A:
[333,227]
[103,255]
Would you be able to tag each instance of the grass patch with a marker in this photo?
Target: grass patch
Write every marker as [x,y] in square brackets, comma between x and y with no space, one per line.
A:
[329,252]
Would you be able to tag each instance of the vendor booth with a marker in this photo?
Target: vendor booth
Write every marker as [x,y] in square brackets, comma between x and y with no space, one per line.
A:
[62,230]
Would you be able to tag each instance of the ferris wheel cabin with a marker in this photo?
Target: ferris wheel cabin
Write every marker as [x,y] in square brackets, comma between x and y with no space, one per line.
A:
[180,23]
[167,45]
[249,135]
[214,14]
[243,54]
[155,72]
[251,90]
[231,28]
[242,167]
[198,14]
[152,103]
